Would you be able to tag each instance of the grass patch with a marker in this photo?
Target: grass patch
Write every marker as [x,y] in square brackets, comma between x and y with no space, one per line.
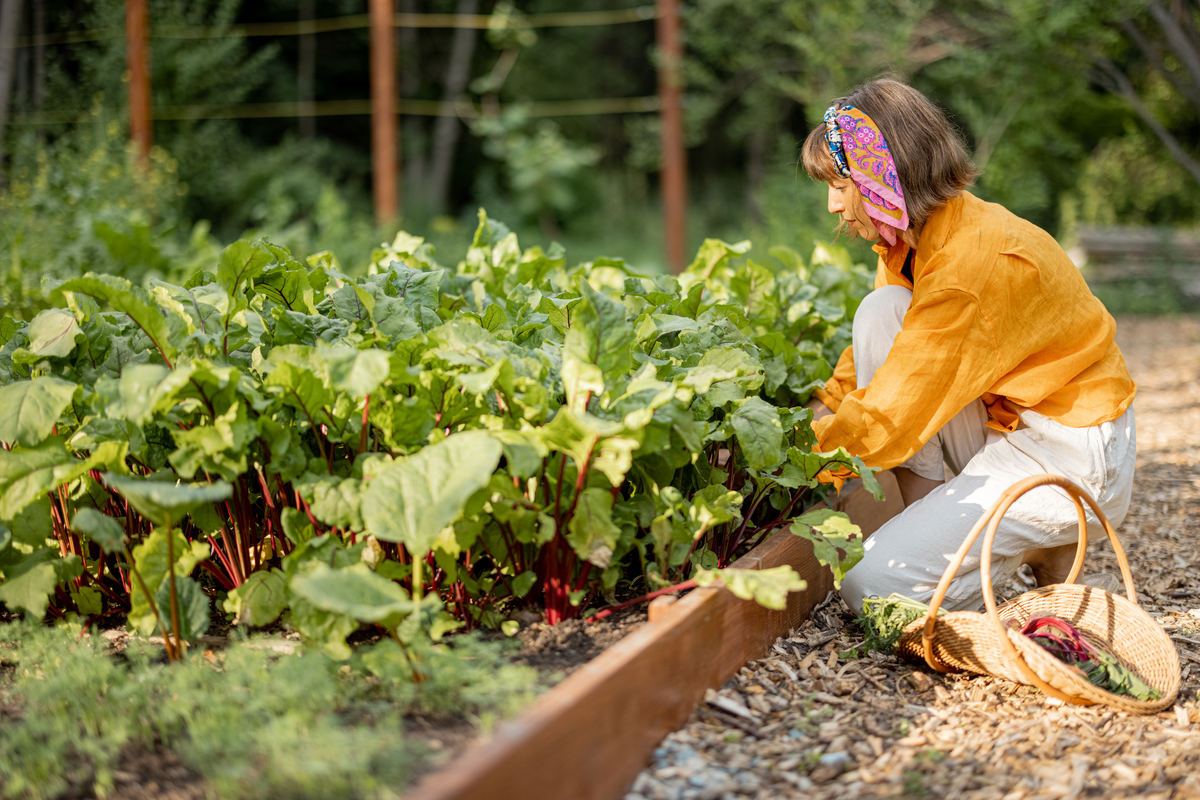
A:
[252,721]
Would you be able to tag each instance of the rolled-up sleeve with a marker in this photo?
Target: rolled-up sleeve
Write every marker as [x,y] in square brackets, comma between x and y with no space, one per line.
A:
[946,355]
[841,383]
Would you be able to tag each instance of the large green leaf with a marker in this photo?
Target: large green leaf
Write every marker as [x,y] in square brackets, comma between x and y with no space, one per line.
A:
[333,501]
[724,364]
[103,530]
[260,599]
[712,260]
[294,371]
[29,409]
[131,300]
[837,542]
[464,342]
[219,448]
[759,433]
[243,261]
[26,475]
[29,588]
[356,372]
[192,604]
[52,333]
[319,628]
[355,591]
[591,531]
[412,499]
[150,558]
[160,501]
[599,336]
[767,587]
[714,505]
[588,439]
[134,395]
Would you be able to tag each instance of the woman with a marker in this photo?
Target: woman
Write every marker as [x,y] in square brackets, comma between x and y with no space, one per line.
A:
[981,349]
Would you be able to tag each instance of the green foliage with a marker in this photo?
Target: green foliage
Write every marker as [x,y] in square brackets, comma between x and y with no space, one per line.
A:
[418,449]
[883,619]
[1163,191]
[544,173]
[80,203]
[251,720]
[837,542]
[767,587]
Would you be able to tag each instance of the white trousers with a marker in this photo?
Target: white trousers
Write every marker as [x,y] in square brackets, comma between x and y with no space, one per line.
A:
[909,553]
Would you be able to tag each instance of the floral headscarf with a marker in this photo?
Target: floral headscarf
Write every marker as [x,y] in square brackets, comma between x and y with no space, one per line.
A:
[861,154]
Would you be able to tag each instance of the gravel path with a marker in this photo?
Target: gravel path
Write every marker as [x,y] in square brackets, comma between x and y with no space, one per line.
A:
[806,722]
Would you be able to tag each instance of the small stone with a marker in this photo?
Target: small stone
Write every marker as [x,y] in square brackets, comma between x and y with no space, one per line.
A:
[748,781]
[829,766]
[920,681]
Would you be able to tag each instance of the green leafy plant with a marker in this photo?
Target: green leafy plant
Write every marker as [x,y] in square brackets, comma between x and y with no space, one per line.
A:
[417,449]
[1061,639]
[883,619]
[249,719]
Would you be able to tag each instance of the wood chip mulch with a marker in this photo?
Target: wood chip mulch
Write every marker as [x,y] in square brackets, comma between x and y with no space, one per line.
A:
[805,721]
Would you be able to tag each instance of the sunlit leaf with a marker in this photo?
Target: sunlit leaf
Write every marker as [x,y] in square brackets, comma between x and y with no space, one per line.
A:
[837,542]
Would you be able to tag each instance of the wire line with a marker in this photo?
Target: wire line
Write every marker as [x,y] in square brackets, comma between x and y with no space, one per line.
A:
[349,108]
[562,19]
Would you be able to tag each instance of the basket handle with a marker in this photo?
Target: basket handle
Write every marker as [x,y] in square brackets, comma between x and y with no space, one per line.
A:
[991,520]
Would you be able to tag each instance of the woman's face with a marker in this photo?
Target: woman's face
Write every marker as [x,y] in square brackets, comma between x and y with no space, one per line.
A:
[846,202]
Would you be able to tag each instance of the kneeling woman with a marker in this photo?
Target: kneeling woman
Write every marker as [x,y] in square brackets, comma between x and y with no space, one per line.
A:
[981,350]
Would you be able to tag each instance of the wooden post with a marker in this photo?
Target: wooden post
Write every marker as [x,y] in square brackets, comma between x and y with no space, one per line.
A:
[674,166]
[383,110]
[137,57]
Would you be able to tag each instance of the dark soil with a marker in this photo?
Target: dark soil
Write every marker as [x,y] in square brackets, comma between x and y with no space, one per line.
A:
[558,650]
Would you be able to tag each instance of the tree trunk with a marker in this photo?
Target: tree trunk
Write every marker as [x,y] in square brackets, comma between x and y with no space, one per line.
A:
[447,128]
[10,23]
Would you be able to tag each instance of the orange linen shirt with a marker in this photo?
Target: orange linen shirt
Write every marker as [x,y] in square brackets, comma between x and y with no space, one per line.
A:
[999,312]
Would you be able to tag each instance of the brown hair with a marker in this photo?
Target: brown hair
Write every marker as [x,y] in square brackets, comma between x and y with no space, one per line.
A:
[930,157]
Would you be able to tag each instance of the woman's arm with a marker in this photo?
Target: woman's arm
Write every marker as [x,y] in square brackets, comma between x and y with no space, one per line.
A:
[946,356]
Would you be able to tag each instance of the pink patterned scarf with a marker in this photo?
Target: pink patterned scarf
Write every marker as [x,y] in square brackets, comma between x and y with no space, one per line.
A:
[862,155]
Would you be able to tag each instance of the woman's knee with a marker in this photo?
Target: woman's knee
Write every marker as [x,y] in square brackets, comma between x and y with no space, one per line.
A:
[876,322]
[870,577]
[884,307]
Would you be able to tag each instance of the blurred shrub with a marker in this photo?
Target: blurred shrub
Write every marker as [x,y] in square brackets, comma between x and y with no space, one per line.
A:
[1131,181]
[82,203]
[545,175]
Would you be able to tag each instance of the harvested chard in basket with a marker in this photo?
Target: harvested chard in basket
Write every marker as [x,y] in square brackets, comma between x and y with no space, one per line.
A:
[1064,642]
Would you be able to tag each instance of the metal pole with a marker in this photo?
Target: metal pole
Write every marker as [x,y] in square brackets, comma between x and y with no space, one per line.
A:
[137,56]
[383,111]
[674,166]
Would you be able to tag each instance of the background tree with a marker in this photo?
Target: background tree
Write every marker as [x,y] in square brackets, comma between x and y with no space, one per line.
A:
[1077,112]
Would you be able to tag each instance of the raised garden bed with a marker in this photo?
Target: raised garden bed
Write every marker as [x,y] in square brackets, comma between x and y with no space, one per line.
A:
[591,735]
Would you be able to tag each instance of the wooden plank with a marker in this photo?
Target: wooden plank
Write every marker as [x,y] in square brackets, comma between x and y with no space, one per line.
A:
[591,735]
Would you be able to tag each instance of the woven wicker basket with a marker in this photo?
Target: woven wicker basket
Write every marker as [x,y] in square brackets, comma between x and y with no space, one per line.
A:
[990,642]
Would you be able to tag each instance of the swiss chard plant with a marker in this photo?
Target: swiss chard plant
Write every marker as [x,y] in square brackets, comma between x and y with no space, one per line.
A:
[418,448]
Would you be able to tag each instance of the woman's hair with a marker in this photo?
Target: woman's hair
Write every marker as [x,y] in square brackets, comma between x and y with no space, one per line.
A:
[930,157]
